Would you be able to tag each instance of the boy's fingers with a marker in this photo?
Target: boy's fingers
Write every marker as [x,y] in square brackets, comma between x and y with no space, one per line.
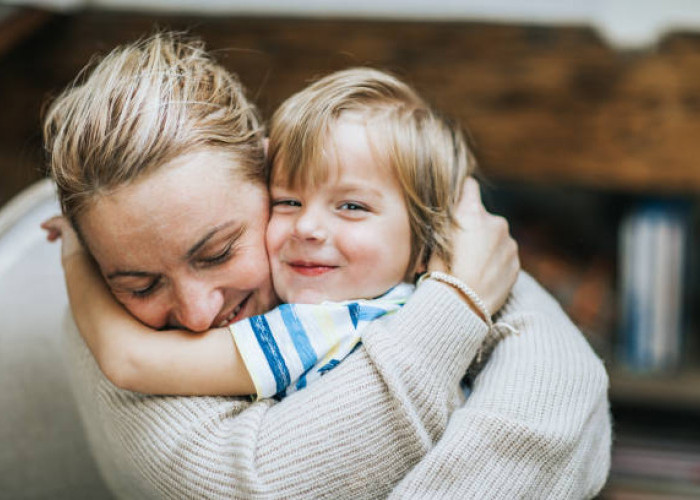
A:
[53,227]
[55,221]
[52,234]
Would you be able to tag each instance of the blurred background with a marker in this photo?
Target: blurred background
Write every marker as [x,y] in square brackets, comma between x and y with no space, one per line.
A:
[585,118]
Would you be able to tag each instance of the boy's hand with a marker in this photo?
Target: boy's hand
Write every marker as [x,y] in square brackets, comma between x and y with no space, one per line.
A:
[59,227]
[485,256]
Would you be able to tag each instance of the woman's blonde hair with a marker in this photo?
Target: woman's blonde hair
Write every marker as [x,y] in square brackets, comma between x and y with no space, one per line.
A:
[428,154]
[141,106]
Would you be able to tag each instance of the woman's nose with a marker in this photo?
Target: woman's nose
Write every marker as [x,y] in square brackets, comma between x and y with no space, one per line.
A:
[311,225]
[197,305]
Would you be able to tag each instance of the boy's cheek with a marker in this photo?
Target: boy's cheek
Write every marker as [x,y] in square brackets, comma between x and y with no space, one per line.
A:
[274,236]
[278,280]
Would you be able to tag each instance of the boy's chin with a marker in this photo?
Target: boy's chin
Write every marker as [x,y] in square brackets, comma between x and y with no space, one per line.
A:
[304,297]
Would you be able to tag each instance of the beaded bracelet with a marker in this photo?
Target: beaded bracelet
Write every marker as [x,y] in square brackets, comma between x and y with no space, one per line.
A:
[462,287]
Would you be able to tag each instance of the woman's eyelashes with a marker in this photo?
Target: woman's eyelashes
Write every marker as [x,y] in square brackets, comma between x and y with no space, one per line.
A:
[219,252]
[141,293]
[218,257]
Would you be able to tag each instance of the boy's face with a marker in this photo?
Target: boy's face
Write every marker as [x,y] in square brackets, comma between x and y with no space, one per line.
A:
[347,237]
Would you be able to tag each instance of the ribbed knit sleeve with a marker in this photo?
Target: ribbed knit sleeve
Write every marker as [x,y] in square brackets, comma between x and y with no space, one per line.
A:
[353,434]
[537,423]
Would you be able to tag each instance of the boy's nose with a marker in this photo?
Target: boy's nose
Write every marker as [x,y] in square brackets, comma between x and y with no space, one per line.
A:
[310,225]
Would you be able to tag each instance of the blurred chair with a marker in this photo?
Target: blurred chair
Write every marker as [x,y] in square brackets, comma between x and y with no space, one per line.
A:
[44,453]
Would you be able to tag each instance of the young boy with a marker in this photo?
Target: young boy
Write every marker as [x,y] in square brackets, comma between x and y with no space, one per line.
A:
[363,178]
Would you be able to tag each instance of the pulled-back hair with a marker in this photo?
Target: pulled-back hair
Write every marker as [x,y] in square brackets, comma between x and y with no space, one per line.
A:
[141,106]
[428,155]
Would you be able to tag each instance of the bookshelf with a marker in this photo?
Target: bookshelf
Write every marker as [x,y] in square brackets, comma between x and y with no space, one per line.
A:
[679,391]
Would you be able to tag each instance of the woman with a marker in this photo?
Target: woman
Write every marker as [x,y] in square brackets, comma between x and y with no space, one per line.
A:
[126,143]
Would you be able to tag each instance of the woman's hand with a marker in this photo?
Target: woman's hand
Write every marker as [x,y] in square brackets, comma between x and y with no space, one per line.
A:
[59,227]
[485,256]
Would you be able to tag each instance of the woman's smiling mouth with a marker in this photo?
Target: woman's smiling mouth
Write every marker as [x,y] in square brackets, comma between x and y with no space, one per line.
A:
[234,315]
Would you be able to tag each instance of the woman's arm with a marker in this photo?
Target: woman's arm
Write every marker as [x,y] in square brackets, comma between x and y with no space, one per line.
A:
[536,424]
[355,432]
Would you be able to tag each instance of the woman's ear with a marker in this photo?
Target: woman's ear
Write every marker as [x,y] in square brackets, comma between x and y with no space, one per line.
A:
[420,267]
[266,143]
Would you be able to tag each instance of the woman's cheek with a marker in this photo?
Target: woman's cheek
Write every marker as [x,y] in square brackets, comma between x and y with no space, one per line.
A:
[150,312]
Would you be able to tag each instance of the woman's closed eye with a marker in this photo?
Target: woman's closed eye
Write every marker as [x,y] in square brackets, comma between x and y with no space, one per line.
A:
[218,257]
[146,291]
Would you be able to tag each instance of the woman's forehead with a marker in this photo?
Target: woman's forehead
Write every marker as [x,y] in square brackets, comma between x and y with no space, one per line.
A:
[171,209]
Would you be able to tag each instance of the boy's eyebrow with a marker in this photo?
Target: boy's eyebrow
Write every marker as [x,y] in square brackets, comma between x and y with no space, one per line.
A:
[362,188]
[195,248]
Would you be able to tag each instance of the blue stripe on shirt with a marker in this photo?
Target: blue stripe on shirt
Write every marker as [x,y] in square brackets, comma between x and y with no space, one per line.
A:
[267,343]
[369,313]
[363,312]
[307,355]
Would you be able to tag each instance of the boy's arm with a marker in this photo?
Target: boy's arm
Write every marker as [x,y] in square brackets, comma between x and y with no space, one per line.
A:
[138,358]
[130,354]
[294,344]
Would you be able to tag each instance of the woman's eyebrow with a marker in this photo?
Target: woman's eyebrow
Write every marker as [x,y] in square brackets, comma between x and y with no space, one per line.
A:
[131,274]
[210,234]
[195,248]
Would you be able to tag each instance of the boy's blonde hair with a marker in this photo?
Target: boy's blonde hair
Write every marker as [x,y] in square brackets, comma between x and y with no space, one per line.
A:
[428,155]
[142,106]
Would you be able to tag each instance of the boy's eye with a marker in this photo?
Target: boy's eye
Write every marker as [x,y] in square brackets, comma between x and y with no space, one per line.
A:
[284,203]
[352,206]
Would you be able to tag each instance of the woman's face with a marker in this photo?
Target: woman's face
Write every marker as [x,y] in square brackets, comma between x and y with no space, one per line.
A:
[185,247]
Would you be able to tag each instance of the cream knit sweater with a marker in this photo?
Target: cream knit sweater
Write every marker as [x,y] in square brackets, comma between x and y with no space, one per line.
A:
[385,422]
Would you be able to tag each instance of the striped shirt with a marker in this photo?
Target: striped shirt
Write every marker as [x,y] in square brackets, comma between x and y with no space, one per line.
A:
[294,344]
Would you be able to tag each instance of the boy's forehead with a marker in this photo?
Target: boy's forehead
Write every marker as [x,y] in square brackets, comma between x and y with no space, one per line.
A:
[351,139]
[310,174]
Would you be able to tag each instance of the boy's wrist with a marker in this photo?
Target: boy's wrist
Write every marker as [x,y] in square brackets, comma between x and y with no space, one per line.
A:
[68,257]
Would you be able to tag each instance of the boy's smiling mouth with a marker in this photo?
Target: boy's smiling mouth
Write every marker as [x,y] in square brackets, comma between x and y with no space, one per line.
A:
[307,268]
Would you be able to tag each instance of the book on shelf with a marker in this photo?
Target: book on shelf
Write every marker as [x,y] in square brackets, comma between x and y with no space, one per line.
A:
[652,261]
[654,467]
